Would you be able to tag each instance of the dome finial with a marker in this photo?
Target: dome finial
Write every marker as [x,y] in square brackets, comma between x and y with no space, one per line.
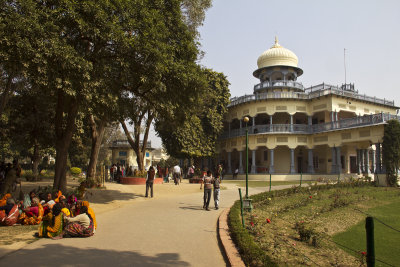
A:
[276,40]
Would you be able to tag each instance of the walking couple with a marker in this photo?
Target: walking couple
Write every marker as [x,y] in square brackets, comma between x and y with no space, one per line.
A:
[210,182]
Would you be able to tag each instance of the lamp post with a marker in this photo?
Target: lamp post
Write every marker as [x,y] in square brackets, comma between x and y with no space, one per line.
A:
[247,201]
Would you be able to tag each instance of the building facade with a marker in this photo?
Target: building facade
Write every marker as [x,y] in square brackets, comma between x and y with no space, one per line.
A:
[322,129]
[122,153]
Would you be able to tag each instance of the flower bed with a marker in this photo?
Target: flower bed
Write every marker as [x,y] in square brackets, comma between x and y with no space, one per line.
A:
[138,180]
[295,226]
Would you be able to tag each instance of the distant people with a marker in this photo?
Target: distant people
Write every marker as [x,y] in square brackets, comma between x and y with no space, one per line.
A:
[219,171]
[151,173]
[235,174]
[216,183]
[191,171]
[166,174]
[12,173]
[177,174]
[119,172]
[207,181]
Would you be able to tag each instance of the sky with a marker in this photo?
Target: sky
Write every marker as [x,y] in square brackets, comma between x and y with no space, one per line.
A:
[236,32]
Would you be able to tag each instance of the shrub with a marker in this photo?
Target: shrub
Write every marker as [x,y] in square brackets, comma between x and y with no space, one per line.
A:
[29,176]
[76,171]
[250,252]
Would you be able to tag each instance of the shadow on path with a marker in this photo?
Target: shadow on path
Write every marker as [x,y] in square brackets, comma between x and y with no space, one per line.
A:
[196,207]
[100,196]
[59,255]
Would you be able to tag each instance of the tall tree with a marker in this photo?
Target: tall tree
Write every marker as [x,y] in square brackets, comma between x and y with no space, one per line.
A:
[195,134]
[391,151]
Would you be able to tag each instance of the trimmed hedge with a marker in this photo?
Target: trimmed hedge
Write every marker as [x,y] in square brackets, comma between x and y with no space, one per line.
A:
[76,171]
[251,253]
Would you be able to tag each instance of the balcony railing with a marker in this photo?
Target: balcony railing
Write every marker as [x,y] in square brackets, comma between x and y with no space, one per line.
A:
[309,93]
[125,143]
[272,84]
[309,129]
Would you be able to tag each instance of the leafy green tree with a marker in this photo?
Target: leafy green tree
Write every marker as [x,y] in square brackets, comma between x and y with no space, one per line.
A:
[391,151]
[195,134]
[31,132]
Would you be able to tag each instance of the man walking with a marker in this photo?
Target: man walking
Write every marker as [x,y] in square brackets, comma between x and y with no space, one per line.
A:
[150,181]
[207,181]
[216,182]
[177,174]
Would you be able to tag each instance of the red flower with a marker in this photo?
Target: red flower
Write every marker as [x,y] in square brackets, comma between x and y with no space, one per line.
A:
[364,253]
[268,220]
[302,222]
[310,197]
[251,223]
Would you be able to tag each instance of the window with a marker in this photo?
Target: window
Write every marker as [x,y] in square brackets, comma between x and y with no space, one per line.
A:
[147,154]
[122,153]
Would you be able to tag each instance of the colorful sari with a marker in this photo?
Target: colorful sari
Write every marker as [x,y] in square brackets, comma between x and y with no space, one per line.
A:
[31,219]
[12,217]
[91,212]
[3,201]
[75,229]
[46,229]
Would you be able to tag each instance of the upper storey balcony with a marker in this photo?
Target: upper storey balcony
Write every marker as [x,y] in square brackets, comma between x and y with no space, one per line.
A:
[309,93]
[361,121]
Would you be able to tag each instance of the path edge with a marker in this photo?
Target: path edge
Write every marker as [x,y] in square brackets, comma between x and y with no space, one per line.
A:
[229,248]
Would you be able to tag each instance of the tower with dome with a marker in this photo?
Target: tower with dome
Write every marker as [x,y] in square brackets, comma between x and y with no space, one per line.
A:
[323,129]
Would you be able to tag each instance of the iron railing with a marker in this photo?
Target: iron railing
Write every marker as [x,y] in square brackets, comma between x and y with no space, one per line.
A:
[309,93]
[360,121]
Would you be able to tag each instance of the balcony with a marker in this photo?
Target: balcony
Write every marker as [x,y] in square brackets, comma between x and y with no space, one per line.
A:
[278,84]
[367,120]
[309,93]
[125,143]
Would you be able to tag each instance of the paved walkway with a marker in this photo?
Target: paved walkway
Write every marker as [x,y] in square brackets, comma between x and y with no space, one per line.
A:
[169,230]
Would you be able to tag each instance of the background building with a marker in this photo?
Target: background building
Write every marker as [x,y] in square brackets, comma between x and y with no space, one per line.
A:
[323,129]
[123,153]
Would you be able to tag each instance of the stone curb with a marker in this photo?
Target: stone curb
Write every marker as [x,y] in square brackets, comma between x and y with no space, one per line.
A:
[229,247]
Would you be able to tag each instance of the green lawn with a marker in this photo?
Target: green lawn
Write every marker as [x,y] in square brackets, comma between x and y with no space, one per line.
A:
[242,183]
[387,241]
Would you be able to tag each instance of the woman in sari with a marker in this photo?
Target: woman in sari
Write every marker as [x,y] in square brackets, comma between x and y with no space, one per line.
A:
[79,226]
[32,215]
[52,224]
[9,213]
[91,212]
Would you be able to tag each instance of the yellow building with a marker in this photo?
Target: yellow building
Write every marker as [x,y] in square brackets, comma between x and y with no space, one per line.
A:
[322,129]
[122,153]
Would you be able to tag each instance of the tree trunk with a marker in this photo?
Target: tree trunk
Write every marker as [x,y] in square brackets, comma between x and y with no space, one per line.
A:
[135,145]
[5,95]
[63,139]
[35,160]
[97,134]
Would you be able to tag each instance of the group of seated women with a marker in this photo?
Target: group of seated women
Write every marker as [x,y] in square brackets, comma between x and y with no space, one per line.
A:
[56,215]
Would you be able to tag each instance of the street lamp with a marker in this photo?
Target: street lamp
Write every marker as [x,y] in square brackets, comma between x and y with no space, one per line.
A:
[247,202]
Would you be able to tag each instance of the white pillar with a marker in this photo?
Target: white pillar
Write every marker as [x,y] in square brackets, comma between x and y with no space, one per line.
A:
[373,161]
[310,167]
[291,123]
[253,161]
[367,170]
[271,161]
[292,170]
[338,161]
[333,169]
[270,123]
[241,162]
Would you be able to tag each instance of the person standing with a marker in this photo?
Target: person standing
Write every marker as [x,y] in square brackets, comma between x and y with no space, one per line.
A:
[177,174]
[150,181]
[216,183]
[207,181]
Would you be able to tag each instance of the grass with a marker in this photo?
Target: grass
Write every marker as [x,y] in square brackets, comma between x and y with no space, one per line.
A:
[386,240]
[296,226]
[17,233]
[242,183]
